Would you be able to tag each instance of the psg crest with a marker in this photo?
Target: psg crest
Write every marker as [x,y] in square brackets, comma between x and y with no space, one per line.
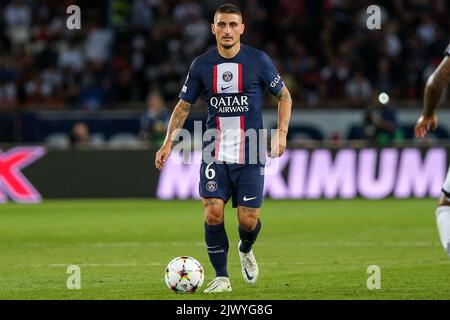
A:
[211,186]
[227,76]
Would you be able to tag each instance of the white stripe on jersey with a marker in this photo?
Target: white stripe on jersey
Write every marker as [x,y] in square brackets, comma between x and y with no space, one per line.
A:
[231,143]
[228,78]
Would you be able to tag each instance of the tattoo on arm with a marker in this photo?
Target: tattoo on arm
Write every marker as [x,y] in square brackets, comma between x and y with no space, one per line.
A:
[284,95]
[284,110]
[283,128]
[179,115]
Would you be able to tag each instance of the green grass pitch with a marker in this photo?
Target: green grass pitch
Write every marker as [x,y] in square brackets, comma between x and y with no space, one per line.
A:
[306,249]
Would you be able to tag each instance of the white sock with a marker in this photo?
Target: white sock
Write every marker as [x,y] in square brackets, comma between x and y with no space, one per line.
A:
[443,223]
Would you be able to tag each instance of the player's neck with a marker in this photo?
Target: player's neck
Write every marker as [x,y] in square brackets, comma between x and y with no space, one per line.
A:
[229,53]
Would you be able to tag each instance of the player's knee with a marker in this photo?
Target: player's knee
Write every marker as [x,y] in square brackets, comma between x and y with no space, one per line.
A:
[248,224]
[213,217]
[248,217]
[214,211]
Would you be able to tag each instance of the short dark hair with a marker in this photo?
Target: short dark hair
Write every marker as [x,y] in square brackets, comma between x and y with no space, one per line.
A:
[228,8]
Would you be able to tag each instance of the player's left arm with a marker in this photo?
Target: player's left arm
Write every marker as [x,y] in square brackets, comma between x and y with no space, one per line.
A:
[273,82]
[279,141]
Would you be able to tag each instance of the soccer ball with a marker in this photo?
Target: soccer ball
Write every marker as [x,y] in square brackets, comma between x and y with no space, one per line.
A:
[184,275]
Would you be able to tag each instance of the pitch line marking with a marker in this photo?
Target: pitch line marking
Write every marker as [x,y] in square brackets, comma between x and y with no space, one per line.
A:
[304,263]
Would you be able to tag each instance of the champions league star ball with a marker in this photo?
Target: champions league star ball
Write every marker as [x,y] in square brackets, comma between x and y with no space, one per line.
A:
[184,275]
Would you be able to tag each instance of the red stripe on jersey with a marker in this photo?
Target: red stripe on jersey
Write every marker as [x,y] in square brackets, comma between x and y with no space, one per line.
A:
[215,79]
[218,139]
[240,78]
[242,144]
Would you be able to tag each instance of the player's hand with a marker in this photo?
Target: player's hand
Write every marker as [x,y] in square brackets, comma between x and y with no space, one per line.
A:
[162,155]
[278,145]
[425,124]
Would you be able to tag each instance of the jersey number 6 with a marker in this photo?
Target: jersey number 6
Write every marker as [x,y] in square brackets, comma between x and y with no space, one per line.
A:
[210,173]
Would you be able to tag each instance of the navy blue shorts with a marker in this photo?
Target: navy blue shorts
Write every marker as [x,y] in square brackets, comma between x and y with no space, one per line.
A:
[243,182]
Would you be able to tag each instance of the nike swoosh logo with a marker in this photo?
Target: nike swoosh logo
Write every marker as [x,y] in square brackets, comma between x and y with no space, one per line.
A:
[248,276]
[248,199]
[214,287]
[213,247]
[226,88]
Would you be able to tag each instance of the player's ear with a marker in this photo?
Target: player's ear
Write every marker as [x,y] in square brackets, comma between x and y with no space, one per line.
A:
[242,28]
[213,29]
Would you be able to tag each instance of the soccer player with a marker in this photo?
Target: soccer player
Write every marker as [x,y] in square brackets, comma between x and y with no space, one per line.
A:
[434,88]
[232,78]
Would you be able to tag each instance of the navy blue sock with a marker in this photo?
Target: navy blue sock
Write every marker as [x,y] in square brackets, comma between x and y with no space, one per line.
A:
[248,238]
[217,245]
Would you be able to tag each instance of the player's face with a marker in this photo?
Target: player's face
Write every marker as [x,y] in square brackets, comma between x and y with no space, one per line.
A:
[228,29]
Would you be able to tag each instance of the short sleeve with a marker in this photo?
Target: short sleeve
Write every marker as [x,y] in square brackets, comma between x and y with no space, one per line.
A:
[192,87]
[270,75]
[447,51]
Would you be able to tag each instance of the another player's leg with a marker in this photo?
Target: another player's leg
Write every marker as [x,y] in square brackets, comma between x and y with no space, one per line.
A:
[249,227]
[443,221]
[217,244]
[443,214]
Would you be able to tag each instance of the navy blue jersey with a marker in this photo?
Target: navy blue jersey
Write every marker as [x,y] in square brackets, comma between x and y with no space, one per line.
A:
[233,89]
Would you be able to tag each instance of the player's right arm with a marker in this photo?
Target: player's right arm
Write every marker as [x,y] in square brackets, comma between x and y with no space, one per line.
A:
[177,119]
[434,89]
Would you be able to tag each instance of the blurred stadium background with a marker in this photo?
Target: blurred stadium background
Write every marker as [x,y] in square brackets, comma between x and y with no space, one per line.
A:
[82,113]
[128,51]
[113,83]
